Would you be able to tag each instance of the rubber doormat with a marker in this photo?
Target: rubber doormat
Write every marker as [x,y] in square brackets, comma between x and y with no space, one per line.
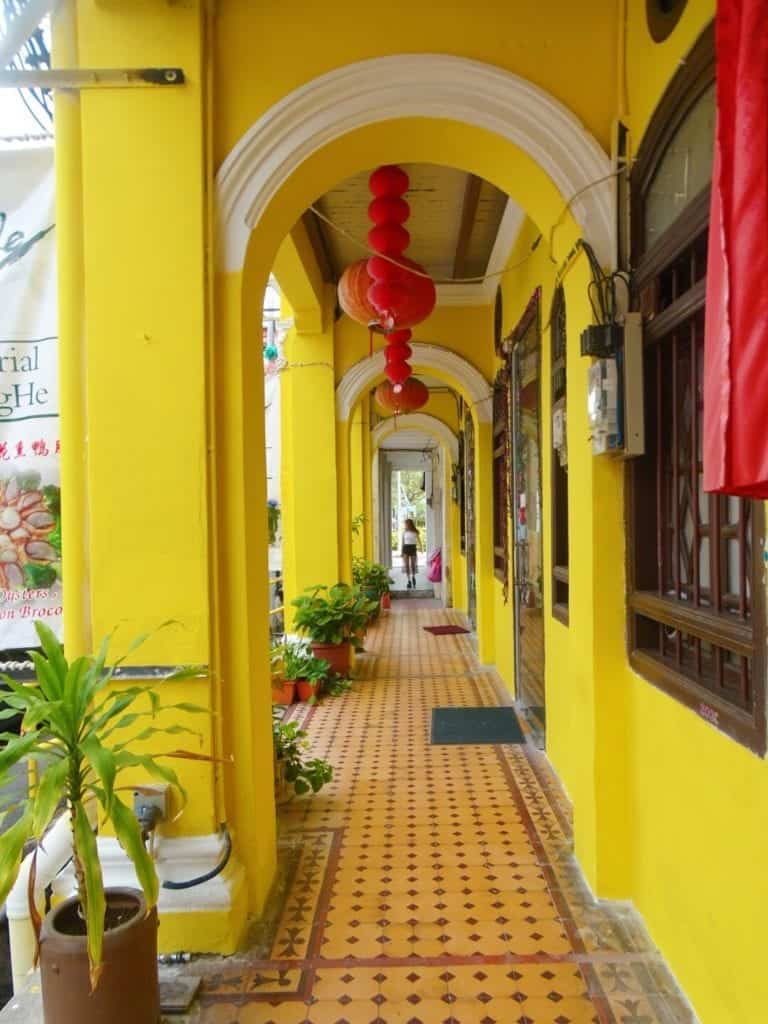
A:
[475,725]
[445,630]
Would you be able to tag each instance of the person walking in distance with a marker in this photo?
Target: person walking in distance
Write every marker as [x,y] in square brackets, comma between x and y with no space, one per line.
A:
[410,545]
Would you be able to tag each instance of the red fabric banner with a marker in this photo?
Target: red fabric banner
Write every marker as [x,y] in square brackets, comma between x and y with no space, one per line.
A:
[736,353]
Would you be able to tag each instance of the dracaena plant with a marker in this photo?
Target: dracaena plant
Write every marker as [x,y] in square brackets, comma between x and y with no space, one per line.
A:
[83,735]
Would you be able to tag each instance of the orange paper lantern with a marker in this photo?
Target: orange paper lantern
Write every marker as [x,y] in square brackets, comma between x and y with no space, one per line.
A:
[353,293]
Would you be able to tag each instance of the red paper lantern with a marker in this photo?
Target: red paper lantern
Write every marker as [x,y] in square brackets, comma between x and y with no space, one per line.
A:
[388,208]
[398,353]
[388,180]
[398,372]
[412,396]
[404,304]
[389,238]
[353,291]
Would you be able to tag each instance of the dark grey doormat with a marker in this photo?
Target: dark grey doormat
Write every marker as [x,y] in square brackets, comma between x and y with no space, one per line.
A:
[475,725]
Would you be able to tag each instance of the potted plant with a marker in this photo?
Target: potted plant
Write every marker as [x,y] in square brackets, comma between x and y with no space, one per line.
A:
[309,673]
[299,668]
[101,943]
[283,686]
[335,619]
[295,773]
[373,579]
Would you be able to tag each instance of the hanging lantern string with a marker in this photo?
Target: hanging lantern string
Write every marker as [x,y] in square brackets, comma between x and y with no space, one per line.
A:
[364,247]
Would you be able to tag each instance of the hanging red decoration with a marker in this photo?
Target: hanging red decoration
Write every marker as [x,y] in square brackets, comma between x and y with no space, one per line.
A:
[390,238]
[388,208]
[380,269]
[398,353]
[353,291]
[413,395]
[398,372]
[388,180]
[406,302]
[399,337]
[400,299]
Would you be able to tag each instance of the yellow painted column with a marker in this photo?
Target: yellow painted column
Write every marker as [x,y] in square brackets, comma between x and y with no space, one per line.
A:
[241,580]
[484,541]
[308,474]
[357,479]
[344,523]
[134,229]
[72,363]
[144,331]
[367,478]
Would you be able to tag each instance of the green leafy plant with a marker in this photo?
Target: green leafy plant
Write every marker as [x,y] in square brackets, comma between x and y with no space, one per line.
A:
[372,577]
[357,524]
[273,519]
[334,615]
[294,661]
[305,774]
[337,686]
[82,734]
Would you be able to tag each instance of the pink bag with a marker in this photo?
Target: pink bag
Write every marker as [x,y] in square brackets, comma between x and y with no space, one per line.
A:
[435,573]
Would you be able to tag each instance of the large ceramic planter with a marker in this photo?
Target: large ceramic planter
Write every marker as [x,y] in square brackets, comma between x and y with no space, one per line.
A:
[338,656]
[128,990]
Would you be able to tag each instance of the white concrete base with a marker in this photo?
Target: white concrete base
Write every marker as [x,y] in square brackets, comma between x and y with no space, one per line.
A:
[178,859]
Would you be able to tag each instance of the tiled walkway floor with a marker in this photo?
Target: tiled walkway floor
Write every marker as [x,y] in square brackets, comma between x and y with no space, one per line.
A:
[436,885]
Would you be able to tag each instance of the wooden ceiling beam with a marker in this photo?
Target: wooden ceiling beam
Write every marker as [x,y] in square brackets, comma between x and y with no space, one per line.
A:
[320,247]
[468,217]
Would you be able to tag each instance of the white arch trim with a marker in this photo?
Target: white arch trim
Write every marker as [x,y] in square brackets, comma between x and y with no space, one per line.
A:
[417,421]
[465,377]
[411,85]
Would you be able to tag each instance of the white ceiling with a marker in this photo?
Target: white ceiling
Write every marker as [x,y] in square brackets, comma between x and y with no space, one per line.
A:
[437,199]
[412,440]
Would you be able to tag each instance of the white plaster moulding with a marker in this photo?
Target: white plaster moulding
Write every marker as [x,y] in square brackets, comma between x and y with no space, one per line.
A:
[465,376]
[417,421]
[411,85]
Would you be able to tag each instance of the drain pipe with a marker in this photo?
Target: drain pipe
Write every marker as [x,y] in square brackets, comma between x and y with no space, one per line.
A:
[51,858]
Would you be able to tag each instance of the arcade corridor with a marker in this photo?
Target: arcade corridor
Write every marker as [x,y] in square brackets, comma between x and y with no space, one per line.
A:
[436,883]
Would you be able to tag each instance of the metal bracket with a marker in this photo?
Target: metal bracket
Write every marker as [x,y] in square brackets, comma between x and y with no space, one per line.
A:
[90,78]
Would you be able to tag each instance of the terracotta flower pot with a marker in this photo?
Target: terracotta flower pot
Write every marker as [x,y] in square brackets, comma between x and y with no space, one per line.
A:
[128,990]
[284,692]
[307,689]
[386,600]
[339,656]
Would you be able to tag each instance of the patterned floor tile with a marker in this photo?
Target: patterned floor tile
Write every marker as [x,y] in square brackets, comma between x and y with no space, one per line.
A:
[436,885]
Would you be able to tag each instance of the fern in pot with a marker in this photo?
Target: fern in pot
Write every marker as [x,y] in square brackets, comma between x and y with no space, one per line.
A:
[101,943]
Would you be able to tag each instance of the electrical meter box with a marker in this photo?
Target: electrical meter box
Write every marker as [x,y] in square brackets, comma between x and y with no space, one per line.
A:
[615,396]
[603,406]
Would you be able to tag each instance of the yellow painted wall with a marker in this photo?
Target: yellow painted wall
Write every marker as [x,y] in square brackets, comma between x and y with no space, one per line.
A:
[543,43]
[697,799]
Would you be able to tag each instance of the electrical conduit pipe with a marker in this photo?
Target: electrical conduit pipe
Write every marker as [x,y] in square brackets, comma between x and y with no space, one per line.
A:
[54,853]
